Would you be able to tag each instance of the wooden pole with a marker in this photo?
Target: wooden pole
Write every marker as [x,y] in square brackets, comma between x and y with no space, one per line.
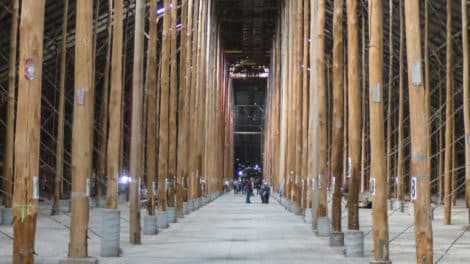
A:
[187,177]
[313,116]
[466,98]
[164,110]
[105,108]
[115,105]
[297,103]
[192,148]
[449,117]
[354,97]
[305,185]
[389,100]
[322,114]
[10,133]
[284,106]
[83,123]
[26,192]
[135,168]
[400,177]
[364,110]
[338,83]
[202,88]
[427,81]
[173,106]
[377,171]
[420,190]
[151,109]
[185,56]
[290,140]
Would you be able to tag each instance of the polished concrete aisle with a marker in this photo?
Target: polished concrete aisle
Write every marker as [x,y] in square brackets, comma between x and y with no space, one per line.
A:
[230,231]
[224,231]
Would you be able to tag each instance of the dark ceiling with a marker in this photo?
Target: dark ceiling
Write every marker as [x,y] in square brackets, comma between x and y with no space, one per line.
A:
[248,29]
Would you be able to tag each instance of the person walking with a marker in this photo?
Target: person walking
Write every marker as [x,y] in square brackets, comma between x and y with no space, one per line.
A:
[249,189]
[265,192]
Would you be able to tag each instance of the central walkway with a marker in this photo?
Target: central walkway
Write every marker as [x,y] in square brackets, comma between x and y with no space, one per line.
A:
[230,231]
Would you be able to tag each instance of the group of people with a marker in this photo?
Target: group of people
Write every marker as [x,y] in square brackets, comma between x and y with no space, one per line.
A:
[264,190]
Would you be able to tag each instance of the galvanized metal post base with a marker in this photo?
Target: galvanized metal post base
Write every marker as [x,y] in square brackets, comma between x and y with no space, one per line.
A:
[180,213]
[411,209]
[297,210]
[323,226]
[101,202]
[171,212]
[354,243]
[110,233]
[336,239]
[289,206]
[186,209]
[86,260]
[308,216]
[162,219]
[150,225]
[7,216]
[64,206]
[380,262]
[192,205]
[402,207]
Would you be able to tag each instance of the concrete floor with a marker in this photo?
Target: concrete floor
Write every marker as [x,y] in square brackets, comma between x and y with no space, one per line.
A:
[230,231]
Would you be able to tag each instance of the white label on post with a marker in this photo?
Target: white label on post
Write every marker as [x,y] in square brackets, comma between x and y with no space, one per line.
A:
[376,96]
[87,187]
[35,187]
[29,69]
[333,181]
[416,73]
[81,96]
[372,186]
[154,188]
[414,187]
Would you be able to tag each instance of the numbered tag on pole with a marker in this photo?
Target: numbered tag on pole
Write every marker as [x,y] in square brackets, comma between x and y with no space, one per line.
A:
[35,187]
[154,188]
[376,93]
[372,186]
[416,73]
[81,96]
[29,69]
[414,188]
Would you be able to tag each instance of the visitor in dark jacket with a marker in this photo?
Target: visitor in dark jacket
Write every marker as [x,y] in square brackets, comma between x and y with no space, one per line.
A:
[265,192]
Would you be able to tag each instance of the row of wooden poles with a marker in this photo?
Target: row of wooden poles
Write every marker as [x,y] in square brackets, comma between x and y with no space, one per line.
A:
[181,122]
[317,132]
